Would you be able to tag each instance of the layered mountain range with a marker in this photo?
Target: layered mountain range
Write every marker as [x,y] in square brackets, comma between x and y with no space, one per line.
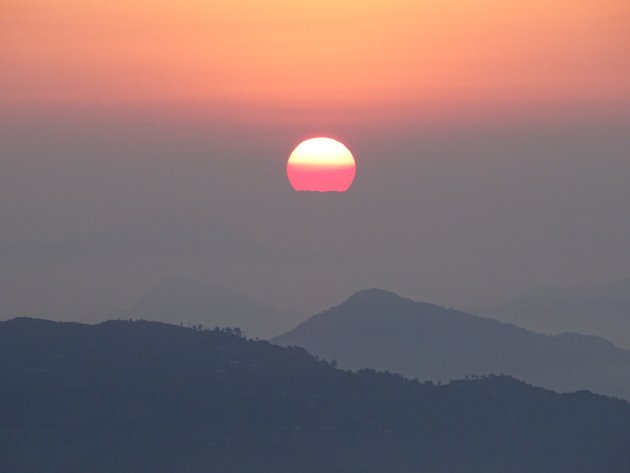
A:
[380,330]
[136,397]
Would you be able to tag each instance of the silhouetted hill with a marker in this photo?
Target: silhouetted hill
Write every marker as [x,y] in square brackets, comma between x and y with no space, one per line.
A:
[602,310]
[181,300]
[378,329]
[134,397]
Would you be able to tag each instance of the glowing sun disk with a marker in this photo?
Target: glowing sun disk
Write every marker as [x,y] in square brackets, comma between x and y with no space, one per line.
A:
[321,164]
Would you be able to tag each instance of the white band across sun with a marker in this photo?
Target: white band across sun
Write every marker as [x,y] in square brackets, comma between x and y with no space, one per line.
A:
[321,152]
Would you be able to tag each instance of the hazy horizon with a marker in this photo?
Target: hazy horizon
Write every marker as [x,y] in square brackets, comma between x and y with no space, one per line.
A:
[464,216]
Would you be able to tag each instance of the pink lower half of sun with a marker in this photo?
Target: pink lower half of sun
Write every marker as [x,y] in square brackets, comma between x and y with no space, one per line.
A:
[321,178]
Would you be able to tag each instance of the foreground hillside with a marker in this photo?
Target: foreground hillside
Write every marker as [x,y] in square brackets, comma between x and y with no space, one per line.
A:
[378,329]
[147,397]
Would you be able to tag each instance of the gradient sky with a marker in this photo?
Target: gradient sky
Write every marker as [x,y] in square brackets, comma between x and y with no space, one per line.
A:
[339,56]
[140,140]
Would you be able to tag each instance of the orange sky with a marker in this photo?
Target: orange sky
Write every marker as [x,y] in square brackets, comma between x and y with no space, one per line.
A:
[314,56]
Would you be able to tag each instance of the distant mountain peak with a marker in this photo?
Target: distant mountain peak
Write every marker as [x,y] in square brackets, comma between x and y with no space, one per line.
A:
[380,330]
[376,296]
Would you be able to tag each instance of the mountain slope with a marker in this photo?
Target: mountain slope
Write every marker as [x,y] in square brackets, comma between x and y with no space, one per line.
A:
[602,310]
[378,329]
[147,397]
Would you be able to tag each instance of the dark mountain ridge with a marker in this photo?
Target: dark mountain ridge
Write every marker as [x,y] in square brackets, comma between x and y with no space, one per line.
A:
[134,397]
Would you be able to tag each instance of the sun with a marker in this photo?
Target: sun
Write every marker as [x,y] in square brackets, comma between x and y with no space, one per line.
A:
[321,165]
